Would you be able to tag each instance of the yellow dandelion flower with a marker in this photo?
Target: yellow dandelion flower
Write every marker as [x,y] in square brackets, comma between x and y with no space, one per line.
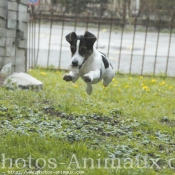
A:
[141,76]
[162,83]
[127,86]
[171,87]
[153,80]
[104,87]
[58,72]
[130,78]
[43,73]
[145,88]
[75,86]
[113,79]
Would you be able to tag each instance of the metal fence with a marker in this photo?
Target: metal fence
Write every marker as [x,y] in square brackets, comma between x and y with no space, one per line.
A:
[135,42]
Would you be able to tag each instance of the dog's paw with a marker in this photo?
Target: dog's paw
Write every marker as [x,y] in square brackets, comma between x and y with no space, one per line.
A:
[87,78]
[67,78]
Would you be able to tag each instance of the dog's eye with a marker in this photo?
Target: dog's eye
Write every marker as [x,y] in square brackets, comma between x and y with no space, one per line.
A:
[83,49]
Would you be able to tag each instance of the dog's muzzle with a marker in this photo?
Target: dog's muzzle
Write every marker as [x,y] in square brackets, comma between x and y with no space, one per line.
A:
[75,63]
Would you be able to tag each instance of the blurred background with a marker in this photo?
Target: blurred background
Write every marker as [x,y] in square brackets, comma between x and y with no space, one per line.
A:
[138,36]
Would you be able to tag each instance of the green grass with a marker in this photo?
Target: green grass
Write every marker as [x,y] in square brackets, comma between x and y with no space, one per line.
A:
[132,119]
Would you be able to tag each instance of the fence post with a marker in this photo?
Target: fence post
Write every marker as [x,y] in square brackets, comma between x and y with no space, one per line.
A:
[144,50]
[62,31]
[133,43]
[157,46]
[50,35]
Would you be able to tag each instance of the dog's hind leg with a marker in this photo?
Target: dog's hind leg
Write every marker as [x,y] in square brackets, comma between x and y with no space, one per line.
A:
[89,89]
[108,79]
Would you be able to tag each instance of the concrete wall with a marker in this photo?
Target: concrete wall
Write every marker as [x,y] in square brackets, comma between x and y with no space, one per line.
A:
[13,33]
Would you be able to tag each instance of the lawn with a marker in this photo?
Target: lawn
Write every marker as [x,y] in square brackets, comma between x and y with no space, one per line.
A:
[124,129]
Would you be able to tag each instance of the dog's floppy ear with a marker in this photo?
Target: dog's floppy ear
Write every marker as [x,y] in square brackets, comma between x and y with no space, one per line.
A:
[90,37]
[71,37]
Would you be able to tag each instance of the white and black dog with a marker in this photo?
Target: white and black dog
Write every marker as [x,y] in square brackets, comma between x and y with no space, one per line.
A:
[88,63]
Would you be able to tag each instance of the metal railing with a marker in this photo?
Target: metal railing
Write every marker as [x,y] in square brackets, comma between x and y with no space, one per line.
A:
[135,44]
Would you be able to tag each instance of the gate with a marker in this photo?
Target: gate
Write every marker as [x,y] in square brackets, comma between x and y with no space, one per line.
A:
[137,39]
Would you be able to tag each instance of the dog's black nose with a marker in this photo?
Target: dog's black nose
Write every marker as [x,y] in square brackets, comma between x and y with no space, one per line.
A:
[75,62]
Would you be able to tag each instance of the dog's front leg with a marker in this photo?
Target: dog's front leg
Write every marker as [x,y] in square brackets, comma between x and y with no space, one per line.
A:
[92,76]
[71,77]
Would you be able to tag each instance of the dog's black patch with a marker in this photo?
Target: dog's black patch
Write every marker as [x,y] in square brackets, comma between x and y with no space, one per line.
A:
[73,48]
[72,39]
[86,43]
[105,62]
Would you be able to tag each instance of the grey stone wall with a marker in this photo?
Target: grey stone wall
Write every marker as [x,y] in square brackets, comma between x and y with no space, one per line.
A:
[13,33]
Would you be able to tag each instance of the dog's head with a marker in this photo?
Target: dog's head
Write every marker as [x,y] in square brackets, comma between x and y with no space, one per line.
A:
[81,47]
